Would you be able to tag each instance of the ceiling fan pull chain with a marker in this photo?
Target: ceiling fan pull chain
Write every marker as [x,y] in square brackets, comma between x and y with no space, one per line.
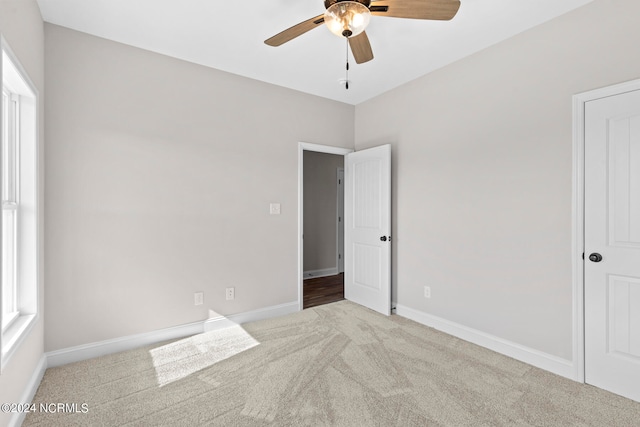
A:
[346,83]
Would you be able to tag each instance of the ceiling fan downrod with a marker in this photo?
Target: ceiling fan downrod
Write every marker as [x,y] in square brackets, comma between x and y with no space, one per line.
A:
[346,82]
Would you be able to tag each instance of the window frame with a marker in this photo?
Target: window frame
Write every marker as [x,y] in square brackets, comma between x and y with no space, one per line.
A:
[10,191]
[21,196]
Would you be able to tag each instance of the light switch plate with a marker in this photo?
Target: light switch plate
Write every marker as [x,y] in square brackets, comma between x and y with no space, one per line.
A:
[274,208]
[198,298]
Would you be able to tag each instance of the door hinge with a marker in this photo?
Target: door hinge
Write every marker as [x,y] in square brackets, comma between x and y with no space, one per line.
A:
[339,256]
[583,255]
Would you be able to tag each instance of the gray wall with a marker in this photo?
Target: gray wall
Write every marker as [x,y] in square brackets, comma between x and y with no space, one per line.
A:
[159,178]
[159,174]
[22,28]
[483,173]
[320,209]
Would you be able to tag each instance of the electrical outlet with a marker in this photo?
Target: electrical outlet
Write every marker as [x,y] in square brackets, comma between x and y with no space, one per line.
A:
[427,292]
[231,293]
[198,298]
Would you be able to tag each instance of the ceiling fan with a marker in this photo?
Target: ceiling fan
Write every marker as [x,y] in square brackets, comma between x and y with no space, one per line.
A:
[348,19]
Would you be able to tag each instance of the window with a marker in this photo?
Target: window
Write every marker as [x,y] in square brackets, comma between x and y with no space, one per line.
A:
[10,148]
[19,264]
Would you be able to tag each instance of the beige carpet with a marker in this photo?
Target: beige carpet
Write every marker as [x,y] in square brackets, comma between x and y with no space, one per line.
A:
[333,365]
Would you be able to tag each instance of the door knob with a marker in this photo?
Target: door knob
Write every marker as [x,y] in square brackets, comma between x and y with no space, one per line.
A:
[595,257]
[383,238]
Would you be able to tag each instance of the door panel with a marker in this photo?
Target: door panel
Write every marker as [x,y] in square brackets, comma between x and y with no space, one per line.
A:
[624,321]
[612,229]
[367,219]
[367,259]
[624,181]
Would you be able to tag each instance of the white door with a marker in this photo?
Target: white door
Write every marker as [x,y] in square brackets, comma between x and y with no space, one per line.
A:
[612,244]
[367,275]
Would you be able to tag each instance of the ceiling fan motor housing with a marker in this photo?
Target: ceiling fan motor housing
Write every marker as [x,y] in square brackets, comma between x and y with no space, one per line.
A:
[328,3]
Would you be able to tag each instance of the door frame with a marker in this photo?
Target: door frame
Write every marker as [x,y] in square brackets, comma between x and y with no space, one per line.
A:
[577,215]
[340,220]
[318,148]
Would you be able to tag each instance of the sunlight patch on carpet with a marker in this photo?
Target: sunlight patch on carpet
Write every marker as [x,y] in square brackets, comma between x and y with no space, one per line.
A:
[185,357]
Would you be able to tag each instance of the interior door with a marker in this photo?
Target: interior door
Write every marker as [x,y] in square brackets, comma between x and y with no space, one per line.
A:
[612,244]
[367,274]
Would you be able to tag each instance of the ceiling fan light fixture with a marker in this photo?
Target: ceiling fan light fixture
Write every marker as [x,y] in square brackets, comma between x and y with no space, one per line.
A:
[347,18]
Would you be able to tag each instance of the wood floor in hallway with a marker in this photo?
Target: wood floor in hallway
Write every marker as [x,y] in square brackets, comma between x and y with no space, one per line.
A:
[323,290]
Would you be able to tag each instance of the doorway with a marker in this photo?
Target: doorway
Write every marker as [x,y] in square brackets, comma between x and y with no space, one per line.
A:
[322,230]
[367,224]
[607,230]
[319,246]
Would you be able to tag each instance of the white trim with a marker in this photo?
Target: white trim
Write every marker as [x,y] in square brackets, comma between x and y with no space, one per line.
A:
[15,335]
[321,273]
[250,316]
[516,351]
[11,318]
[577,215]
[101,348]
[26,84]
[302,147]
[577,245]
[307,146]
[340,220]
[29,296]
[30,391]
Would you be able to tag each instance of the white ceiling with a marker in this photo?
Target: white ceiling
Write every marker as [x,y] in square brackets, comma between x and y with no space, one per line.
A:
[229,35]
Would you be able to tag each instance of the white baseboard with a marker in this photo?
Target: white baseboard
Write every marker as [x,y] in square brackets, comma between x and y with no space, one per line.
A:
[250,316]
[321,273]
[30,391]
[101,348]
[516,351]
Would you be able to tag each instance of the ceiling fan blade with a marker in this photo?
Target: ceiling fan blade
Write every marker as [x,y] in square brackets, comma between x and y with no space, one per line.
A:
[361,48]
[442,10]
[295,31]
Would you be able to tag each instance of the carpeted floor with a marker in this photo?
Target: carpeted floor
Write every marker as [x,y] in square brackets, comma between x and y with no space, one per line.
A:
[332,365]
